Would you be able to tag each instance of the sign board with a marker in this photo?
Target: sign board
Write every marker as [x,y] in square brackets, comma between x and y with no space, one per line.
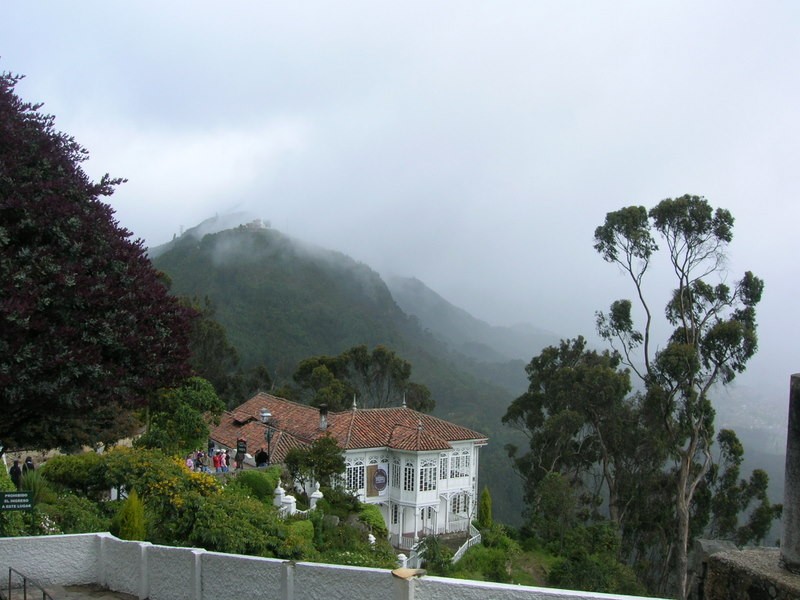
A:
[16,501]
[241,447]
[380,479]
[377,479]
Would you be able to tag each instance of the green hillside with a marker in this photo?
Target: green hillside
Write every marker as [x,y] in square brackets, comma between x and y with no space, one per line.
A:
[282,301]
[463,332]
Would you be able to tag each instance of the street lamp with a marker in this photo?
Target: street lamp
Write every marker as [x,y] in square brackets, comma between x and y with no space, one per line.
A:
[268,431]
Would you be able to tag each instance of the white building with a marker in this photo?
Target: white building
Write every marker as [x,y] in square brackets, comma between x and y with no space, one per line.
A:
[420,470]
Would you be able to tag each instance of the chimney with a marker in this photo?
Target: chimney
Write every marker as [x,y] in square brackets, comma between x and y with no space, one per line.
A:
[323,417]
[790,539]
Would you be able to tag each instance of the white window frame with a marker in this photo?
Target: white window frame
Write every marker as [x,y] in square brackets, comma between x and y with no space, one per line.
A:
[443,466]
[427,475]
[409,477]
[459,504]
[355,477]
[460,464]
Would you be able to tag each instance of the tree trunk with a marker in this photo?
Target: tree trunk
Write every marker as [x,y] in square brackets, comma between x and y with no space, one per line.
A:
[681,548]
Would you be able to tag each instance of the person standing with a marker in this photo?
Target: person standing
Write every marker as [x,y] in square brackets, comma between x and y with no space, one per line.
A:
[15,473]
[241,451]
[27,465]
[217,460]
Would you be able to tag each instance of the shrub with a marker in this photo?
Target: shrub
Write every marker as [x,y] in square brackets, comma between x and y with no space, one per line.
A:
[596,573]
[74,514]
[496,536]
[261,484]
[491,563]
[235,524]
[437,557]
[32,481]
[299,543]
[167,488]
[485,509]
[129,522]
[11,522]
[338,502]
[371,515]
[80,473]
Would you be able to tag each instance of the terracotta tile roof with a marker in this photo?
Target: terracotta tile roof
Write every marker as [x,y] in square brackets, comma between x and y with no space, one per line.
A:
[413,438]
[298,424]
[229,431]
[375,427]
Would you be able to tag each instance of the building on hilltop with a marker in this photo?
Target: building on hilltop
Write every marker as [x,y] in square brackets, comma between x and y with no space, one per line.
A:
[420,470]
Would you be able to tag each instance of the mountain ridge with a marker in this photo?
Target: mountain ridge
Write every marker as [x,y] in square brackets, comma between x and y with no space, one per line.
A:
[282,301]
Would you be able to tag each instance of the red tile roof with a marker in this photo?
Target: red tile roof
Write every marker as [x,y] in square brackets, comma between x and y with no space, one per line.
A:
[296,424]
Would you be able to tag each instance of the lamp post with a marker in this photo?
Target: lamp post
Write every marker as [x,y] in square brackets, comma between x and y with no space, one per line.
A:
[265,418]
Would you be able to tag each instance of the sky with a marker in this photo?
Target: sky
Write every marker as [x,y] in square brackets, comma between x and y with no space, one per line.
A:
[473,145]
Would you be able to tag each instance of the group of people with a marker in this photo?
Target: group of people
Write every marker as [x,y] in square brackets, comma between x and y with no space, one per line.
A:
[219,461]
[16,472]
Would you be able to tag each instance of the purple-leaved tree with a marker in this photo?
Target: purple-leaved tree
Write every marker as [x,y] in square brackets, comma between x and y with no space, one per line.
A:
[88,330]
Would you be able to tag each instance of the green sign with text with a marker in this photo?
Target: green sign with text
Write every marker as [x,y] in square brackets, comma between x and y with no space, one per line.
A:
[16,501]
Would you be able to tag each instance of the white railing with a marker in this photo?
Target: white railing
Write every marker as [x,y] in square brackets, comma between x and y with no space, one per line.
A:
[414,558]
[405,542]
[475,538]
[457,524]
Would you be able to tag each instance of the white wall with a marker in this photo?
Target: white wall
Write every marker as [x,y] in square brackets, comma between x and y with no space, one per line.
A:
[58,559]
[166,573]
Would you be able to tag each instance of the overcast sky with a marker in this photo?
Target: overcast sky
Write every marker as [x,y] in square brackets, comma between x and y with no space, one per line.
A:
[475,146]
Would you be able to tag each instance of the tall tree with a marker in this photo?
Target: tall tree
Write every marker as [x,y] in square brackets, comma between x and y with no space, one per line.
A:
[581,424]
[728,496]
[87,328]
[485,520]
[378,379]
[321,461]
[713,332]
[177,418]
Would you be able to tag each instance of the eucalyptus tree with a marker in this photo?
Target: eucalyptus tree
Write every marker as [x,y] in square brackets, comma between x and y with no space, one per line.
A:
[712,333]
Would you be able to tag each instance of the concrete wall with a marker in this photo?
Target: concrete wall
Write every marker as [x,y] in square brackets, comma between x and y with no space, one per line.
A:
[58,559]
[166,573]
[790,537]
[442,588]
[128,579]
[750,574]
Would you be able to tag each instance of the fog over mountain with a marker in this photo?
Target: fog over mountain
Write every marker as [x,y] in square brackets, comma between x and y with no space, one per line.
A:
[282,300]
[473,146]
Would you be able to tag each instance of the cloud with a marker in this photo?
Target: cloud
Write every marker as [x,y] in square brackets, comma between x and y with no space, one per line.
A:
[474,146]
[175,179]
